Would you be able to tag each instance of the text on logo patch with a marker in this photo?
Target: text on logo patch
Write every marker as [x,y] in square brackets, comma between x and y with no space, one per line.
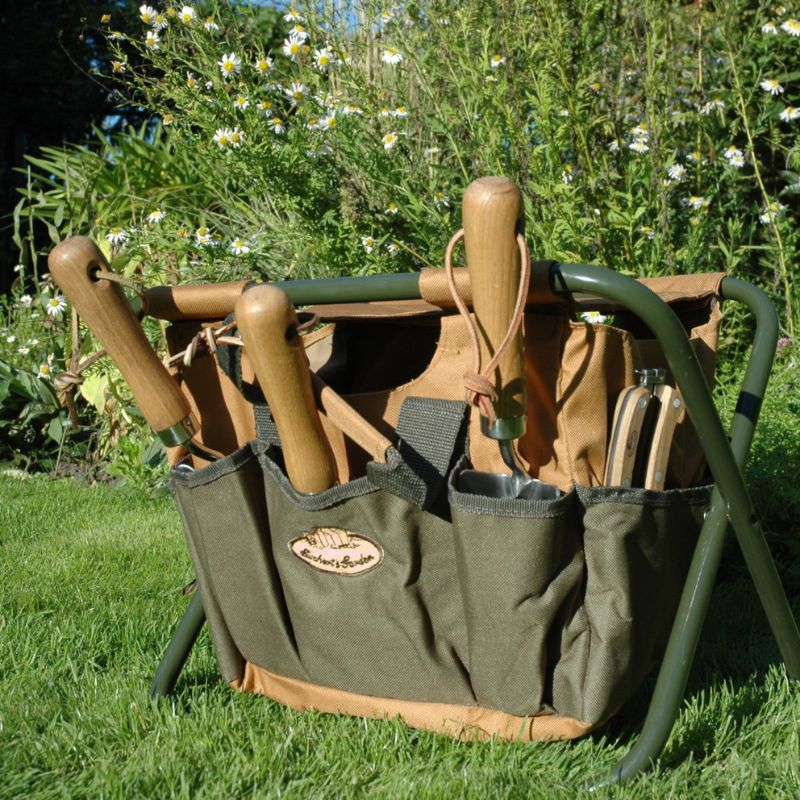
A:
[337,551]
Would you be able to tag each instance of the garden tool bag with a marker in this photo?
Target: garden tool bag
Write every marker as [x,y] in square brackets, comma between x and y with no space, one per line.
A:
[394,593]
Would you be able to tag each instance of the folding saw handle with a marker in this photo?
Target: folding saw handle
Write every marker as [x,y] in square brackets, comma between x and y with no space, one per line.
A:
[74,264]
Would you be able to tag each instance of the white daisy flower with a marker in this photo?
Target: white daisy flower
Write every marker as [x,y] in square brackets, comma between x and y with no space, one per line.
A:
[187,15]
[328,122]
[736,161]
[715,104]
[147,14]
[441,200]
[640,132]
[639,146]
[276,123]
[23,350]
[55,306]
[118,67]
[696,202]
[241,102]
[401,112]
[152,41]
[594,317]
[298,30]
[293,15]
[390,140]
[223,137]
[769,28]
[732,151]
[11,339]
[312,123]
[368,243]
[117,235]
[167,119]
[263,64]
[323,59]
[202,235]
[391,208]
[568,174]
[230,65]
[393,248]
[696,157]
[117,36]
[385,111]
[239,247]
[391,55]
[772,86]
[237,137]
[789,114]
[191,81]
[160,22]
[497,61]
[791,26]
[45,372]
[677,172]
[26,301]
[296,93]
[613,146]
[770,213]
[156,216]
[34,342]
[265,106]
[647,231]
[210,25]
[294,47]
[348,109]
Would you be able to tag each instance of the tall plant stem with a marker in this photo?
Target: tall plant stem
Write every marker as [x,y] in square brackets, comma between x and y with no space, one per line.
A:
[783,273]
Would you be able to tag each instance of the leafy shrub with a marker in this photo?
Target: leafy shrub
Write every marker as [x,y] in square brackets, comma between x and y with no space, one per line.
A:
[651,137]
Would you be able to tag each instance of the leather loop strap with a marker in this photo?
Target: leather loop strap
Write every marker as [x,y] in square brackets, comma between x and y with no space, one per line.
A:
[481,391]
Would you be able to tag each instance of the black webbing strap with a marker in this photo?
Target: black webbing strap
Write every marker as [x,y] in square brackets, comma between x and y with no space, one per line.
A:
[430,435]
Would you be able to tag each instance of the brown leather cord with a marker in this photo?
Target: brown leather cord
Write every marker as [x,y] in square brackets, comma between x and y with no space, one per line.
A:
[206,341]
[481,391]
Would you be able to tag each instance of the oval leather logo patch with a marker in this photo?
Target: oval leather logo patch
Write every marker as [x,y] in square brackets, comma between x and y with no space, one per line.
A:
[337,551]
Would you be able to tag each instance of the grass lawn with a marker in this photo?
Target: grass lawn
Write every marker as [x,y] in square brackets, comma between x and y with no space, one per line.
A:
[90,589]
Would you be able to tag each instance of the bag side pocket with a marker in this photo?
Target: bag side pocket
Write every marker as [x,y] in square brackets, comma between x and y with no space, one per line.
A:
[224,511]
[519,568]
[637,545]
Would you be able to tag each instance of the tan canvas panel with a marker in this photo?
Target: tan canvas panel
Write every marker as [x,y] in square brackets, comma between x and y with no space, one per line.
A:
[461,722]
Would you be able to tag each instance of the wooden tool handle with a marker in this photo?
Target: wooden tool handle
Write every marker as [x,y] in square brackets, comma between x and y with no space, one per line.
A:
[268,325]
[74,264]
[349,421]
[492,216]
[629,419]
[668,416]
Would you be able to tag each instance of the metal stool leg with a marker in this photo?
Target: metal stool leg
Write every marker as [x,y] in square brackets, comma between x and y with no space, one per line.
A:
[179,648]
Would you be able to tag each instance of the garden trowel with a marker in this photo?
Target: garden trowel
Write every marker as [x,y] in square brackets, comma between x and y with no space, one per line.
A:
[492,218]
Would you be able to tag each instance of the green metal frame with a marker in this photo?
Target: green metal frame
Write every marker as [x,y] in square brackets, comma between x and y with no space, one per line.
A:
[726,455]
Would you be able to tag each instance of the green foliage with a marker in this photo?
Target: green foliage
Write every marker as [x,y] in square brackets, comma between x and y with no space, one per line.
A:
[30,419]
[643,136]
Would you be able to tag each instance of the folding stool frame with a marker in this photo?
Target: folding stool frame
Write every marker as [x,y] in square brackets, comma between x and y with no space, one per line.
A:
[726,456]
